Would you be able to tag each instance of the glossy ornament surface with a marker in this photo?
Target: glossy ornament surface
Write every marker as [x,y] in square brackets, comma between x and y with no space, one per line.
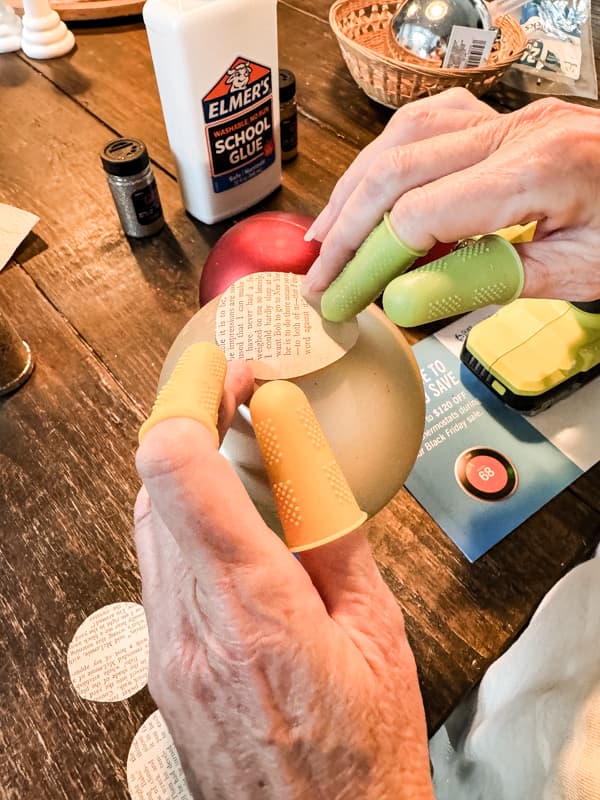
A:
[272,241]
[423,27]
[370,404]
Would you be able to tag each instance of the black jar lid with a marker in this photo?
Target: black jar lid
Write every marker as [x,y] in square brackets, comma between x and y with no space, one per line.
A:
[124,156]
[287,85]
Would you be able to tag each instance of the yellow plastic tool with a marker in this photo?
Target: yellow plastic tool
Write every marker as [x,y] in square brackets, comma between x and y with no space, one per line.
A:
[533,352]
[517,234]
[314,501]
[194,389]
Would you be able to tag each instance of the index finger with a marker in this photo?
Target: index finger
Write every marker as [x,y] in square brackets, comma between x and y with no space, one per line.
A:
[201,500]
[455,109]
[181,468]
[395,173]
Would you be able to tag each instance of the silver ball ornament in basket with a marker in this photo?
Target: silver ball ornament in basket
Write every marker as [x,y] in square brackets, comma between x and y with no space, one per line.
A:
[363,31]
[423,27]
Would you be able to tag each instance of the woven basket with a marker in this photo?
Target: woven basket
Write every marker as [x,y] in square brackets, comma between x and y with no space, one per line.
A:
[362,31]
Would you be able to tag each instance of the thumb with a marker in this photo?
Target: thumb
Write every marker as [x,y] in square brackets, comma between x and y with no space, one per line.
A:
[200,499]
[193,489]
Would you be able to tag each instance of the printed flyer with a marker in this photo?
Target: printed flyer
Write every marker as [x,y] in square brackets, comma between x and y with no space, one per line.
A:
[483,468]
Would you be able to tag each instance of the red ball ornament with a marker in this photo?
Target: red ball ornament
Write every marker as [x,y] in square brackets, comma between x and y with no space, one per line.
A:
[439,250]
[272,241]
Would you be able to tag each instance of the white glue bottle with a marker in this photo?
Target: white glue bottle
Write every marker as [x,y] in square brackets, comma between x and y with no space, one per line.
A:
[218,78]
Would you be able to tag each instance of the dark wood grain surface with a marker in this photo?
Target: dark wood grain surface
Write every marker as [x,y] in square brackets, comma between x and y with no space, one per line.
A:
[100,313]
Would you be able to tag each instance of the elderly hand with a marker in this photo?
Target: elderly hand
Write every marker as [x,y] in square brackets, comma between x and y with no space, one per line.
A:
[448,168]
[278,678]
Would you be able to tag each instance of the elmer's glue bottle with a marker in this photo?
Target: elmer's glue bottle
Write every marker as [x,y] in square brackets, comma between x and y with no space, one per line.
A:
[217,73]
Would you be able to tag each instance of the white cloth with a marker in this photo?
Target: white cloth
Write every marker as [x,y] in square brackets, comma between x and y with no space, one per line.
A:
[512,739]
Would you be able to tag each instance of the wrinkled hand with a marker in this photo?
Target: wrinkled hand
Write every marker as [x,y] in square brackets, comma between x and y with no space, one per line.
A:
[448,168]
[278,679]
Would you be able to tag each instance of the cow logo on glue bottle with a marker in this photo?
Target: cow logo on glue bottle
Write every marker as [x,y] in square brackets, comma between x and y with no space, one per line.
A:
[238,113]
[239,75]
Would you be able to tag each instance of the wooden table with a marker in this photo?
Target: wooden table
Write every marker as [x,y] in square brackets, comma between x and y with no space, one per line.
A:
[100,313]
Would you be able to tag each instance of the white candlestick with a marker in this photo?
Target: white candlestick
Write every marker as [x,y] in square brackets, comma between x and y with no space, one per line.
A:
[10,29]
[44,35]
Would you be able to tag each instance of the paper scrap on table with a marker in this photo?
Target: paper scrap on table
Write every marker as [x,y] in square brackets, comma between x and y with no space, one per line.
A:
[15,224]
[108,655]
[264,318]
[153,767]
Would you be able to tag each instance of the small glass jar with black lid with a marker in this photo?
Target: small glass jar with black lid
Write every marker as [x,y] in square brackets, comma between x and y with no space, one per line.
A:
[133,187]
[289,114]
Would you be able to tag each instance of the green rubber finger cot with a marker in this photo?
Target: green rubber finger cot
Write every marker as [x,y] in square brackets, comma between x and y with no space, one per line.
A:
[379,259]
[480,274]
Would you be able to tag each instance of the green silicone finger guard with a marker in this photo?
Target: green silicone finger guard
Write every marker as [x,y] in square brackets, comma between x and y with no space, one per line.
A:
[379,259]
[480,274]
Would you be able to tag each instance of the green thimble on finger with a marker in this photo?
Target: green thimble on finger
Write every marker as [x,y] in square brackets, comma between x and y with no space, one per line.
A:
[481,274]
[379,259]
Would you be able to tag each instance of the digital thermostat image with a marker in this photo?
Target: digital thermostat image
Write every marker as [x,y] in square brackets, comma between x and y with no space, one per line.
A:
[486,473]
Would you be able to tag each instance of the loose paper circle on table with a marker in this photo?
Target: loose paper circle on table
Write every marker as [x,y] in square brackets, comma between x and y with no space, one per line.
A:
[108,656]
[153,767]
[263,318]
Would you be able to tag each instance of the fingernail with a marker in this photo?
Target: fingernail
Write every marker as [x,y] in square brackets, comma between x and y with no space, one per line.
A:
[310,234]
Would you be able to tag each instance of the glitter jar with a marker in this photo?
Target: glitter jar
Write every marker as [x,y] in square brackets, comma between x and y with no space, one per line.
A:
[288,114]
[132,186]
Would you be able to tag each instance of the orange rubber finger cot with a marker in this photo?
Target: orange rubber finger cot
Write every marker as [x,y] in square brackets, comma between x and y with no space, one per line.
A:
[314,501]
[194,389]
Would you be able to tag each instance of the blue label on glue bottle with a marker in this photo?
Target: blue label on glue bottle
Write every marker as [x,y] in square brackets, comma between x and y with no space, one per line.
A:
[238,113]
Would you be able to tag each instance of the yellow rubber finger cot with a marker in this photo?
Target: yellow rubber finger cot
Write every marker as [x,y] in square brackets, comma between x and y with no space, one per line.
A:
[194,389]
[314,501]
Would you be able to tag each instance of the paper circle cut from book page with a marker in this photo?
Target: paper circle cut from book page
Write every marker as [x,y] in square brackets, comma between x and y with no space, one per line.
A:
[263,318]
[108,655]
[153,767]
